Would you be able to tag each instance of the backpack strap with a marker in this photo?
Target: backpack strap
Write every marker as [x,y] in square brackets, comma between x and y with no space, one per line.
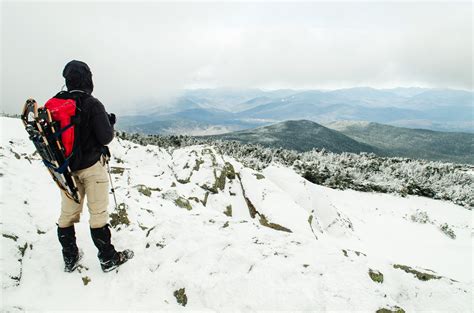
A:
[62,168]
[75,120]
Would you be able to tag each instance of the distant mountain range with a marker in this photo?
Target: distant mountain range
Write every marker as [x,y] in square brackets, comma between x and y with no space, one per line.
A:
[231,110]
[434,124]
[299,135]
[192,121]
[413,143]
[435,109]
[383,140]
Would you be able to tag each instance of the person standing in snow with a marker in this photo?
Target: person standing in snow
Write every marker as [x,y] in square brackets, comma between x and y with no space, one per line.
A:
[94,131]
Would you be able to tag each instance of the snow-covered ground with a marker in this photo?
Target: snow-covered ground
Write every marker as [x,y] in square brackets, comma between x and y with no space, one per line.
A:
[233,238]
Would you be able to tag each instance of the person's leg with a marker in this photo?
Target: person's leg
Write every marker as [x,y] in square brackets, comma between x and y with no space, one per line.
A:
[71,255]
[96,184]
[109,257]
[70,214]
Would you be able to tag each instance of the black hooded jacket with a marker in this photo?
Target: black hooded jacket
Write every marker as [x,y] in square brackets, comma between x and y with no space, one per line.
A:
[94,130]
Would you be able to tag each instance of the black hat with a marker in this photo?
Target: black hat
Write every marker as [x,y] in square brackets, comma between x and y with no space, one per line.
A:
[78,76]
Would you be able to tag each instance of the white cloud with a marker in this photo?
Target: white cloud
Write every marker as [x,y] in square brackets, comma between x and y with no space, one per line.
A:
[153,50]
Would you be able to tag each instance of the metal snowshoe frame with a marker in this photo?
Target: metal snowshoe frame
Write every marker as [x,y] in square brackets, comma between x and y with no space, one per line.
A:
[42,131]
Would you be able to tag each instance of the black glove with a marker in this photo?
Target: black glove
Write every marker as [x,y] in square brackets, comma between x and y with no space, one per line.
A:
[112,118]
[106,151]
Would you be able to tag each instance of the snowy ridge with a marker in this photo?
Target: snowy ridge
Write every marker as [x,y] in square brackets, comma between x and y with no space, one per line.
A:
[362,172]
[229,238]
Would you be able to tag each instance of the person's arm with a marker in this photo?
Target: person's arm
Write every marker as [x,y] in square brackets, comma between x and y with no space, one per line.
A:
[104,131]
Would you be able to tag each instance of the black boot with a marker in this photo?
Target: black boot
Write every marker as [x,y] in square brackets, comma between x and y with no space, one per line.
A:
[109,258]
[71,255]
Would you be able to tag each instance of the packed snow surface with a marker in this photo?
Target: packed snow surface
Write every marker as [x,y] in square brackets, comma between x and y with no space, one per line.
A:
[229,238]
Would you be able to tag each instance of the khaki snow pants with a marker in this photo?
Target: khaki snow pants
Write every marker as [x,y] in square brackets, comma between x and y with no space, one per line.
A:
[92,182]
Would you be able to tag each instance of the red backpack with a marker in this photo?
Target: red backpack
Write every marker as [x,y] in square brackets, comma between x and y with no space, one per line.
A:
[63,111]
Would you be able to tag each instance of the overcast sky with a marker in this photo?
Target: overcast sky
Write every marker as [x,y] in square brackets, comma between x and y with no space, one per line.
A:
[154,49]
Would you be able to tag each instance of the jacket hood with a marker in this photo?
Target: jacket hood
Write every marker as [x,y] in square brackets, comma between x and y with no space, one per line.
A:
[78,76]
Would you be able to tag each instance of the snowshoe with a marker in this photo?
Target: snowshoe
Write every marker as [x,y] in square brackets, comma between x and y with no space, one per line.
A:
[120,258]
[45,133]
